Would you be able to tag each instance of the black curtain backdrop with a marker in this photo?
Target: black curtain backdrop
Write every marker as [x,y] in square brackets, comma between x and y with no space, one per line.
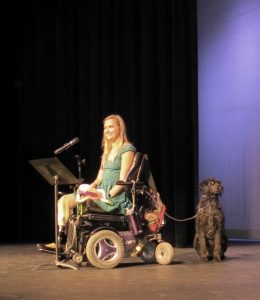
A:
[71,63]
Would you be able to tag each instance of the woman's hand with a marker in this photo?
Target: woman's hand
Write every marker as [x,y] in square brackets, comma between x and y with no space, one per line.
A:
[86,192]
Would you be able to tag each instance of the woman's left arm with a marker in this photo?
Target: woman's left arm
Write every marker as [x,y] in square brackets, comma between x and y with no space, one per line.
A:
[126,163]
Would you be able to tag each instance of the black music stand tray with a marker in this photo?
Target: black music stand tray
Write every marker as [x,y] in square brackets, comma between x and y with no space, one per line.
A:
[54,171]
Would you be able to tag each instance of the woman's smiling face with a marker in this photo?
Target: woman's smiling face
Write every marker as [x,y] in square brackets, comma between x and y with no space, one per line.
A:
[111,130]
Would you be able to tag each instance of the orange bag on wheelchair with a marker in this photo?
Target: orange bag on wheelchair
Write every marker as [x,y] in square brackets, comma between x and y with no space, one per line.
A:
[154,213]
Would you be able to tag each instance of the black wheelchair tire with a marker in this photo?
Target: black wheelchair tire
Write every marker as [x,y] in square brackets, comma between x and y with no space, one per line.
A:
[148,252]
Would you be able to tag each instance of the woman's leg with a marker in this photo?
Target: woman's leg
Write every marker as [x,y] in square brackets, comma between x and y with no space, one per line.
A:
[65,204]
[93,206]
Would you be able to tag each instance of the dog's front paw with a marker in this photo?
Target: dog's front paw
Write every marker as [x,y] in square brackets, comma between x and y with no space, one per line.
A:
[217,258]
[223,257]
[204,258]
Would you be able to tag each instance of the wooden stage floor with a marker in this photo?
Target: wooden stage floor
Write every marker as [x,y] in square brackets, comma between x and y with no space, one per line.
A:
[26,273]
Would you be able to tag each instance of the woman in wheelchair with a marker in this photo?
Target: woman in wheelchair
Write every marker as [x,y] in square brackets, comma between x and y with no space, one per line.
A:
[102,194]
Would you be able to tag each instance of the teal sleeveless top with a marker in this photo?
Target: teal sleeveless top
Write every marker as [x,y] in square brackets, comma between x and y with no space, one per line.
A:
[120,202]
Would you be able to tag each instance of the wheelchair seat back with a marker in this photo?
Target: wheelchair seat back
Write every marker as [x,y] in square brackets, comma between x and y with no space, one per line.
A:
[136,168]
[140,172]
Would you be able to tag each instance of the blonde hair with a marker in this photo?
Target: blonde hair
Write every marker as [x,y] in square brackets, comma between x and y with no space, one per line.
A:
[106,145]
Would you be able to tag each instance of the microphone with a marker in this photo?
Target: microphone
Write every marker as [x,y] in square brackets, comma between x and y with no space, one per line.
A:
[67,145]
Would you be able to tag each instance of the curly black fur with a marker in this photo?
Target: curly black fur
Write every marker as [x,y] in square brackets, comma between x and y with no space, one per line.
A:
[210,239]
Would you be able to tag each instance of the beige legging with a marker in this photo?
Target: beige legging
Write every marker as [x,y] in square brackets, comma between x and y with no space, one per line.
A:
[65,204]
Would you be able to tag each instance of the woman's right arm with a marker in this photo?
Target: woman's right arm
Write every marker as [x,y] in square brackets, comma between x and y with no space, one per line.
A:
[99,178]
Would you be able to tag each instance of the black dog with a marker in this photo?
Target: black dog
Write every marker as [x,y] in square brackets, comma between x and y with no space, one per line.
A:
[210,239]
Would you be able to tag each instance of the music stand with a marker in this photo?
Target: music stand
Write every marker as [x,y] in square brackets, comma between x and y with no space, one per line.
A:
[55,173]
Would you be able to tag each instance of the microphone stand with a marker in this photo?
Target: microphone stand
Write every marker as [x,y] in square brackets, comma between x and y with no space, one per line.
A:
[80,163]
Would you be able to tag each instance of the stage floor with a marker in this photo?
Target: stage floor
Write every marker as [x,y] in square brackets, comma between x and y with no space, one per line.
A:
[26,273]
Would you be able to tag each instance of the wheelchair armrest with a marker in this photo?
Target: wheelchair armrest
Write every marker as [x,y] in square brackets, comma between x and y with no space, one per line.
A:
[130,183]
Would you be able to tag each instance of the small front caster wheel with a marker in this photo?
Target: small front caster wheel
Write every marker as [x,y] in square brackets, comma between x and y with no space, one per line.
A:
[164,253]
[77,258]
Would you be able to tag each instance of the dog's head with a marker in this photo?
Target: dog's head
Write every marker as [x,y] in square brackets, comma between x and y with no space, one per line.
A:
[210,186]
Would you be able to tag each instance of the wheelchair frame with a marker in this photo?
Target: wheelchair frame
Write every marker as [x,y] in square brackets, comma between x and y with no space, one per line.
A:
[104,239]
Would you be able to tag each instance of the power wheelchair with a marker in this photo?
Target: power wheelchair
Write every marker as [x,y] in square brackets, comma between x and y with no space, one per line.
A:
[104,239]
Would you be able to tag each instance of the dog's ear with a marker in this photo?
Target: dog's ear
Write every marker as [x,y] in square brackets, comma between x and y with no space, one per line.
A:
[204,187]
[220,187]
